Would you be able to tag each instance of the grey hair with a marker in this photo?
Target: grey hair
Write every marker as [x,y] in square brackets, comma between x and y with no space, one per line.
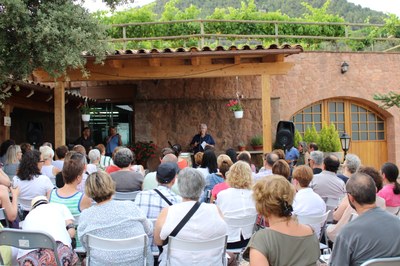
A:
[317,157]
[94,155]
[123,157]
[190,183]
[169,158]
[46,152]
[352,163]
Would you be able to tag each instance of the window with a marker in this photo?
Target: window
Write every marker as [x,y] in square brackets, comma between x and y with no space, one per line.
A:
[359,122]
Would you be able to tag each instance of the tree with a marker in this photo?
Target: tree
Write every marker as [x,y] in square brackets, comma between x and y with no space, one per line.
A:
[311,135]
[388,100]
[329,140]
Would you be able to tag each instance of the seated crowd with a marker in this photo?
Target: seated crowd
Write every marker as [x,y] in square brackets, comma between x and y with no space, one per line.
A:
[70,195]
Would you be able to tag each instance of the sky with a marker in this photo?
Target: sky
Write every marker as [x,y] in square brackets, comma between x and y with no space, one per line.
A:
[386,6]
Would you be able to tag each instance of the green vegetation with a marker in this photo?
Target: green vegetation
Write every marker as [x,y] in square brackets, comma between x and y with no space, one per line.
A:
[313,11]
[257,140]
[297,138]
[329,140]
[388,100]
[311,135]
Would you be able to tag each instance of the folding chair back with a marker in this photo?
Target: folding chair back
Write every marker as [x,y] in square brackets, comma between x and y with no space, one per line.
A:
[3,217]
[197,246]
[317,219]
[125,195]
[24,239]
[95,242]
[393,210]
[331,204]
[245,223]
[394,261]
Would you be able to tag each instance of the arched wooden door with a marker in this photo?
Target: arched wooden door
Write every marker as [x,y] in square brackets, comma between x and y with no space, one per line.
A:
[366,127]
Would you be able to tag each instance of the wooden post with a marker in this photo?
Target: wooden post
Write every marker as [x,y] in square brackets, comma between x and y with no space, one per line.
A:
[59,114]
[266,112]
[5,131]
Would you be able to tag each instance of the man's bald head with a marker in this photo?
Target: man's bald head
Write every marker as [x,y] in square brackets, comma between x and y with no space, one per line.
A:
[362,188]
[169,158]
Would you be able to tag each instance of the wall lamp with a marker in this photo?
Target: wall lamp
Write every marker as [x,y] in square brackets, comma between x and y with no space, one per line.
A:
[344,67]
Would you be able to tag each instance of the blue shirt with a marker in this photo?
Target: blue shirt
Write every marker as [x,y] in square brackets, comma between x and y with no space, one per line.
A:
[112,144]
[292,154]
[197,138]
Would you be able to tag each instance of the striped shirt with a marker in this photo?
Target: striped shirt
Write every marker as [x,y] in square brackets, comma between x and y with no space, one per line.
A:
[72,202]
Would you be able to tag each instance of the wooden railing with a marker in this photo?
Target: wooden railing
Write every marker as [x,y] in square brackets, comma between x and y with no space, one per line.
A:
[331,36]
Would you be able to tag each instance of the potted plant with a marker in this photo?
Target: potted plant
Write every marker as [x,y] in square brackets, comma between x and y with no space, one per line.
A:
[143,150]
[241,146]
[329,141]
[257,142]
[236,107]
[86,110]
[311,135]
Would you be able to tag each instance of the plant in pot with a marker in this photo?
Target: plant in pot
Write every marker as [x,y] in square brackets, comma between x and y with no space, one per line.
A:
[86,110]
[236,107]
[329,141]
[257,142]
[311,135]
[241,146]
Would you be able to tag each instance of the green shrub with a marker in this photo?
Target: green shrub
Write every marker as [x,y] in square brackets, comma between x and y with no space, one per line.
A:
[329,140]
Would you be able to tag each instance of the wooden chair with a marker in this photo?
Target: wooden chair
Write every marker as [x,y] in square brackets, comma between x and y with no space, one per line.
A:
[95,242]
[125,195]
[197,246]
[24,239]
[394,261]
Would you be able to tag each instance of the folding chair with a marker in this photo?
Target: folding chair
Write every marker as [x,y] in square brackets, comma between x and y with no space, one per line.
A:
[3,217]
[331,204]
[393,210]
[24,239]
[197,246]
[95,242]
[317,219]
[245,223]
[394,261]
[125,195]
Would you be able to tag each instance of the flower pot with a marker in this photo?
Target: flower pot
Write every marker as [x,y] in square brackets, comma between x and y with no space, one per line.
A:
[257,147]
[241,148]
[85,118]
[238,114]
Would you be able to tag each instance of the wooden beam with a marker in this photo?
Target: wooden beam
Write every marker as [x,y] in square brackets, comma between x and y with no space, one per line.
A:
[237,59]
[154,62]
[132,72]
[5,131]
[114,63]
[266,112]
[59,114]
[195,61]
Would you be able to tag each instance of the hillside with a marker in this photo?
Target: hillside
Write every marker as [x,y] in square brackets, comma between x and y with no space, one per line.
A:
[293,8]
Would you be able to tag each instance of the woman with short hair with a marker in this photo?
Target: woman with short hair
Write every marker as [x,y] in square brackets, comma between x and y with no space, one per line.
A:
[285,242]
[48,169]
[205,224]
[112,219]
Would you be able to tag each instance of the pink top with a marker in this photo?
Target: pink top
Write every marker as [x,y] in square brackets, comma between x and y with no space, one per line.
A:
[392,200]
[218,188]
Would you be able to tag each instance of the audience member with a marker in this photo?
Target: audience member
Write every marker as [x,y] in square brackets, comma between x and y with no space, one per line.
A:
[150,180]
[281,167]
[269,160]
[224,163]
[105,161]
[350,166]
[94,161]
[327,184]
[237,201]
[205,224]
[232,154]
[48,169]
[182,163]
[60,156]
[13,158]
[246,157]
[151,202]
[280,153]
[369,236]
[125,179]
[391,189]
[285,242]
[112,167]
[307,202]
[198,158]
[112,219]
[312,147]
[25,147]
[208,164]
[345,212]
[316,161]
[291,156]
[57,221]
[30,180]
[3,150]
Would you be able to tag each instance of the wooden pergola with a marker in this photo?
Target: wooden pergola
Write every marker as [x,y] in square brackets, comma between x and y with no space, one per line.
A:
[178,64]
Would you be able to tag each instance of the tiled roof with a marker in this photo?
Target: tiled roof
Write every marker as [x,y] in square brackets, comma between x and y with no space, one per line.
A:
[246,49]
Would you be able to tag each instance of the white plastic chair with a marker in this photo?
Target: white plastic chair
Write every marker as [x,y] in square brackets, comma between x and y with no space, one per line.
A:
[317,219]
[3,216]
[95,242]
[24,239]
[197,246]
[331,204]
[245,223]
[126,195]
[393,210]
[394,261]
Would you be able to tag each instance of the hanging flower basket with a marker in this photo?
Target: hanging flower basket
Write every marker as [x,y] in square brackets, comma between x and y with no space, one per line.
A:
[238,114]
[85,118]
[236,107]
